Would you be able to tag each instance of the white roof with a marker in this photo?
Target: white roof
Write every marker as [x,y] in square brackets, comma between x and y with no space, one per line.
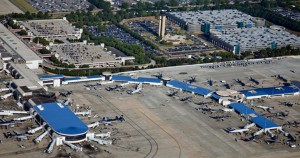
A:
[214,17]
[17,45]
[30,79]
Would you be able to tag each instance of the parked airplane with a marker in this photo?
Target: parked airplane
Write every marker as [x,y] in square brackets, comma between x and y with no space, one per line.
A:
[106,121]
[228,129]
[69,100]
[113,88]
[248,139]
[88,86]
[65,93]
[32,131]
[227,85]
[209,110]
[8,135]
[203,103]
[186,98]
[264,107]
[25,118]
[172,94]
[220,117]
[8,123]
[289,104]
[210,82]
[117,118]
[238,131]
[137,90]
[270,141]
[21,137]
[227,110]
[51,146]
[101,141]
[94,125]
[21,146]
[17,133]
[293,123]
[15,112]
[84,113]
[282,78]
[5,96]
[5,113]
[254,80]
[159,75]
[103,135]
[240,82]
[4,89]
[192,79]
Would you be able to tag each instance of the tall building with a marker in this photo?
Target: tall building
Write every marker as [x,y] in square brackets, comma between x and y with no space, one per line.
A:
[162,26]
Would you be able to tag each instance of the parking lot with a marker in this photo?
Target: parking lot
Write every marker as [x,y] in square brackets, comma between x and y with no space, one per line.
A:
[59,5]
[290,14]
[118,33]
[148,28]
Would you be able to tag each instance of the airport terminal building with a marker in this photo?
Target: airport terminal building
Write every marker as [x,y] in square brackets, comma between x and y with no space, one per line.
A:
[15,46]
[204,21]
[64,123]
[83,53]
[241,40]
[234,31]
[51,29]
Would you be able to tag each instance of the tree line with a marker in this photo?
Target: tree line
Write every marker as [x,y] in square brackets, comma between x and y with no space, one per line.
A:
[283,51]
[89,72]
[27,16]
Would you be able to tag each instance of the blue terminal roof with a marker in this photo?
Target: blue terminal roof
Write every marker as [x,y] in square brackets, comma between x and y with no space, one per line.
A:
[215,96]
[46,77]
[121,78]
[72,78]
[242,109]
[82,78]
[95,76]
[140,79]
[61,119]
[262,122]
[148,80]
[270,91]
[189,87]
[259,120]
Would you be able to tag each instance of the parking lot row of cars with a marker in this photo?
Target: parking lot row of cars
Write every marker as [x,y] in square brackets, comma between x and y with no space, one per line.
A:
[59,5]
[118,33]
[290,14]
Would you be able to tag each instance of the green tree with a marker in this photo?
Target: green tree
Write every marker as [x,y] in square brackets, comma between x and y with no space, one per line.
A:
[12,24]
[45,51]
[160,4]
[71,66]
[101,28]
[41,40]
[22,32]
[206,2]
[54,60]
[173,3]
[199,2]
[91,7]
[125,5]
[84,66]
